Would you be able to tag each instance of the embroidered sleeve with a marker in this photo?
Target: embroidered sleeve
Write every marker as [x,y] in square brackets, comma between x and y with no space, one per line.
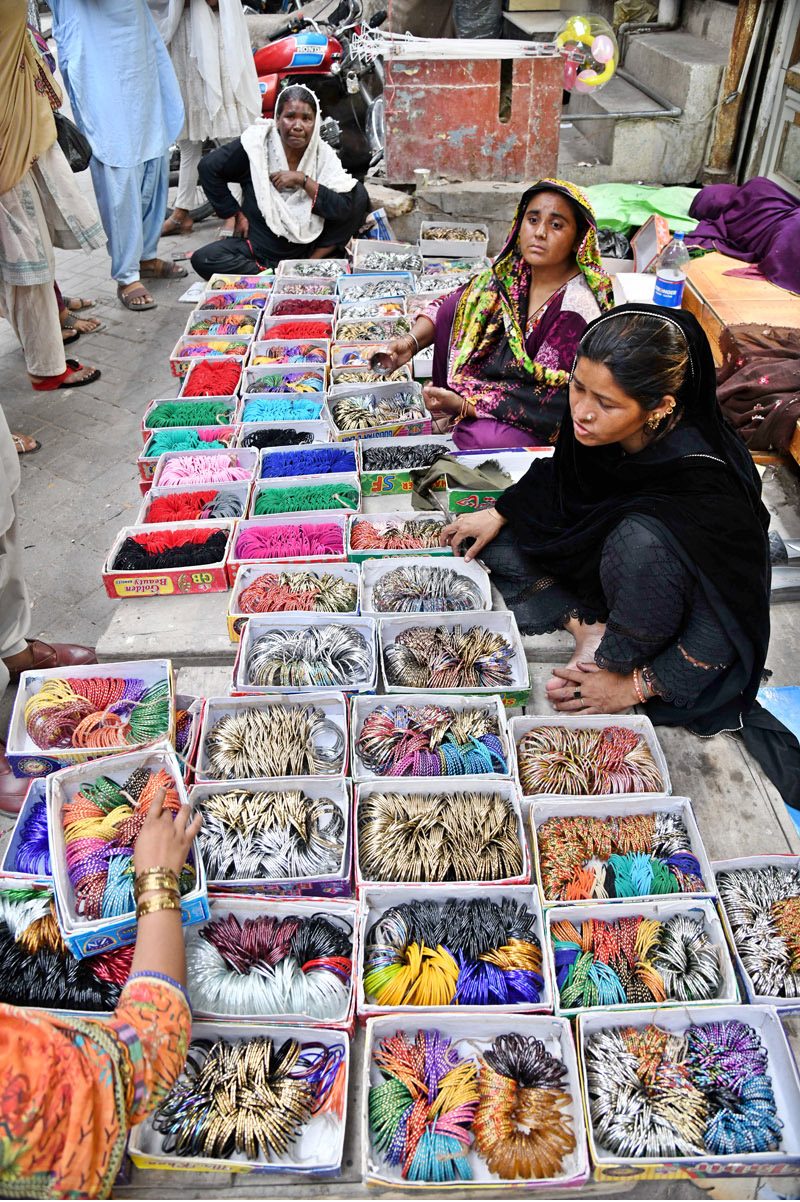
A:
[153,1023]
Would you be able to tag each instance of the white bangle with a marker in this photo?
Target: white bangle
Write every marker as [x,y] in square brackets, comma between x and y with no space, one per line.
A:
[416,342]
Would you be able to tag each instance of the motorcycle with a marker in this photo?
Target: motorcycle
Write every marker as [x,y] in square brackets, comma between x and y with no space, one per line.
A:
[317,54]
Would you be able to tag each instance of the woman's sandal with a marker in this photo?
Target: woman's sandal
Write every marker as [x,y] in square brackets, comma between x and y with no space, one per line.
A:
[171,226]
[70,322]
[50,383]
[77,304]
[161,270]
[74,335]
[128,298]
[20,440]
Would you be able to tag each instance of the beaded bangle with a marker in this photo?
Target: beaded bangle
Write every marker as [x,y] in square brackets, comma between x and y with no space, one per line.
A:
[638,686]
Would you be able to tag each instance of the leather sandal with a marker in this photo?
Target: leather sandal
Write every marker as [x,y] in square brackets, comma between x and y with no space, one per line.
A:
[52,655]
[127,298]
[161,270]
[171,226]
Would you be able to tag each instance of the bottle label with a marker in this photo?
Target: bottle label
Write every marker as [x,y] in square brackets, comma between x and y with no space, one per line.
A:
[668,292]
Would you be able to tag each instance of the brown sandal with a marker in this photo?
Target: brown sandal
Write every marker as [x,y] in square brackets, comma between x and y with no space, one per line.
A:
[162,270]
[127,298]
[171,226]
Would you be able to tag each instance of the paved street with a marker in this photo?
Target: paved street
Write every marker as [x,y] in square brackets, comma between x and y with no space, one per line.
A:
[77,490]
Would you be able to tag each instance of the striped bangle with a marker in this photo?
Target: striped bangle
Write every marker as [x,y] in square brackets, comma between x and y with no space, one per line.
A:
[637,684]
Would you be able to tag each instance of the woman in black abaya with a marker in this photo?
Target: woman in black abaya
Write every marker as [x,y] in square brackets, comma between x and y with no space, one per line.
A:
[644,536]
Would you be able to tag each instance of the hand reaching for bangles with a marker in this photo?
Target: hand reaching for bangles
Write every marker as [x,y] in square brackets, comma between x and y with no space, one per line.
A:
[482,526]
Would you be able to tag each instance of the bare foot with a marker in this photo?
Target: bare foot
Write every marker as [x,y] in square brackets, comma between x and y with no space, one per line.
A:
[587,640]
[178,223]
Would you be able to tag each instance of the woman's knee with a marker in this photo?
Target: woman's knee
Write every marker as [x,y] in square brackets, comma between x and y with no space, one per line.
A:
[201,262]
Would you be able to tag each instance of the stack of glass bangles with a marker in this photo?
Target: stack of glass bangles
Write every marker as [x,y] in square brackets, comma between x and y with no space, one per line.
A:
[296,408]
[308,288]
[290,541]
[97,711]
[431,740]
[453,233]
[281,740]
[38,969]
[314,461]
[423,589]
[363,411]
[509,1107]
[190,413]
[442,657]
[236,300]
[204,350]
[306,497]
[101,825]
[203,469]
[763,909]
[586,761]
[462,952]
[250,1100]
[176,548]
[268,965]
[372,310]
[332,656]
[256,835]
[239,282]
[298,381]
[191,506]
[635,961]
[701,1090]
[633,855]
[443,836]
[395,534]
[235,323]
[289,352]
[300,589]
[188,440]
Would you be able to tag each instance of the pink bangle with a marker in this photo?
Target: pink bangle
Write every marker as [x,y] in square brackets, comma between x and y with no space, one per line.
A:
[638,687]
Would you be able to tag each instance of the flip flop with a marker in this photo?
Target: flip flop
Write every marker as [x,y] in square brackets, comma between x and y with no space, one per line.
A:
[74,365]
[162,271]
[69,324]
[126,298]
[82,304]
[21,448]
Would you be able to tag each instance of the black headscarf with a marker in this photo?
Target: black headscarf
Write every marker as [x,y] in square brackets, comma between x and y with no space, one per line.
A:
[697,488]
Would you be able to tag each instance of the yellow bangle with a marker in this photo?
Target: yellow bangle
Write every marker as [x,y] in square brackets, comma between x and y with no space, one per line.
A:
[154,878]
[159,901]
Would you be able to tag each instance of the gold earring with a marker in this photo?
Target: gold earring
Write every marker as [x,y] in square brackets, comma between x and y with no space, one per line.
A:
[653,422]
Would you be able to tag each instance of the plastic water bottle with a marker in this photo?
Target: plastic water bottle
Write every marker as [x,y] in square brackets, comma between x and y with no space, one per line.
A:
[671,273]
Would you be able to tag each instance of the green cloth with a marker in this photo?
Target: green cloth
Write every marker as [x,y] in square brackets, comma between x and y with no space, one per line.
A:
[625,207]
[487,474]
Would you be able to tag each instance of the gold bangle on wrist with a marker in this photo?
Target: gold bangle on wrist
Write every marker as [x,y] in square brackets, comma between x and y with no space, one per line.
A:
[154,878]
[159,901]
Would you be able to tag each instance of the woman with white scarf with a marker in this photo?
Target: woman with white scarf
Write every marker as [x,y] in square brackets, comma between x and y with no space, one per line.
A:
[298,202]
[210,51]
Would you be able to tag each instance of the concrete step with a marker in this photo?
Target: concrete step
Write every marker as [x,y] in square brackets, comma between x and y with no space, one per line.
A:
[686,70]
[618,96]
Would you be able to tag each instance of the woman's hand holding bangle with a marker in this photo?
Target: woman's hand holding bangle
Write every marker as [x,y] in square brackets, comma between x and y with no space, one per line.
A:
[444,400]
[164,841]
[587,689]
[482,526]
[401,349]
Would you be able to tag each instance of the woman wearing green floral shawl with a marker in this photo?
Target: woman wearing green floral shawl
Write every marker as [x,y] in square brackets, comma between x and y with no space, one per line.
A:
[504,344]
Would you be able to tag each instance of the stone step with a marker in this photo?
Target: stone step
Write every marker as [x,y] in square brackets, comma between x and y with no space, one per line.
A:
[686,70]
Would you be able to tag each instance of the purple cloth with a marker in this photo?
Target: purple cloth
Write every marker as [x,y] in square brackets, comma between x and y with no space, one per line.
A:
[758,222]
[485,434]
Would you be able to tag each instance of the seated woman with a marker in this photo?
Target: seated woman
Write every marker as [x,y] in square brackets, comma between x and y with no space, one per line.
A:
[644,535]
[504,343]
[298,202]
[73,1086]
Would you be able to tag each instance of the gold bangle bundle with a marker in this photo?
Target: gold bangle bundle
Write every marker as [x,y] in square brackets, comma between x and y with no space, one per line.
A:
[154,878]
[281,740]
[586,761]
[453,233]
[438,837]
[159,901]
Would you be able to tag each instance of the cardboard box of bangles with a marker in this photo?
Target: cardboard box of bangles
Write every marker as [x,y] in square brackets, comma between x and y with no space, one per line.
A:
[415,422]
[249,755]
[515,691]
[315,1146]
[449,575]
[247,458]
[152,582]
[240,489]
[396,837]
[32,871]
[637,723]
[378,899]
[348,573]
[185,353]
[549,808]
[88,936]
[560,1152]
[360,536]
[147,463]
[692,958]
[375,481]
[248,995]
[363,707]
[47,719]
[347,654]
[220,411]
[320,431]
[743,1114]
[250,546]
[286,488]
[333,799]
[765,938]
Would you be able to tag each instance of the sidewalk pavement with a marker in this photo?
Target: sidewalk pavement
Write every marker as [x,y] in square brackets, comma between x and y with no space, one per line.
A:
[82,486]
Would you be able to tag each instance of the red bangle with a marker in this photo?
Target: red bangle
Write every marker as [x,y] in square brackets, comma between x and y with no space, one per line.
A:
[637,686]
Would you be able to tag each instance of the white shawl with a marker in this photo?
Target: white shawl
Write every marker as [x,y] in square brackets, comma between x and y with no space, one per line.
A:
[206,50]
[288,214]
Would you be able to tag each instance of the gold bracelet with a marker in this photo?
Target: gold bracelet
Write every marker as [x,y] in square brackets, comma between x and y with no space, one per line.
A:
[154,878]
[159,901]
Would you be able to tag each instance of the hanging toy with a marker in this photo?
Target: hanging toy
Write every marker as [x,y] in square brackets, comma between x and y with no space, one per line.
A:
[590,50]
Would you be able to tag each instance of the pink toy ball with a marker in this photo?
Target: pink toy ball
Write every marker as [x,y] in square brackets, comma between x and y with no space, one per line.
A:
[603,49]
[570,74]
[583,82]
